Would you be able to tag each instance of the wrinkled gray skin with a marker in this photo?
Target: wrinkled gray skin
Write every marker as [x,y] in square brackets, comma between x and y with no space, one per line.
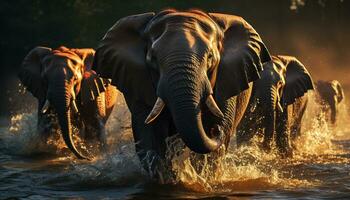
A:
[329,94]
[277,105]
[182,58]
[60,78]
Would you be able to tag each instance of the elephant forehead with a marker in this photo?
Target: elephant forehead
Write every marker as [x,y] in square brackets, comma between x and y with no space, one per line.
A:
[203,17]
[70,56]
[195,17]
[62,62]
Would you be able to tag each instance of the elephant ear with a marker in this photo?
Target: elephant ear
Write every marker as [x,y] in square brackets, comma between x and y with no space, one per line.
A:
[298,79]
[92,86]
[338,90]
[31,69]
[121,56]
[86,55]
[242,55]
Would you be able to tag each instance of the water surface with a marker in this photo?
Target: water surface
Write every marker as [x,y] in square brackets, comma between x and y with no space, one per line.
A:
[31,168]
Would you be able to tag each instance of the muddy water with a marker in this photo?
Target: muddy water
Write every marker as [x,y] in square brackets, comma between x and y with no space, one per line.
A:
[31,168]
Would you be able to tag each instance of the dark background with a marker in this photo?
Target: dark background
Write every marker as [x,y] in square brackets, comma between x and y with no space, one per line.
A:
[317,32]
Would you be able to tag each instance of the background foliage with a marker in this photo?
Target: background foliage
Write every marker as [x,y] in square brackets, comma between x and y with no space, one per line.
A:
[317,32]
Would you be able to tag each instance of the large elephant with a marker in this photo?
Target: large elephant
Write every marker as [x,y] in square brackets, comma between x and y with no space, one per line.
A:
[66,88]
[182,72]
[329,94]
[277,105]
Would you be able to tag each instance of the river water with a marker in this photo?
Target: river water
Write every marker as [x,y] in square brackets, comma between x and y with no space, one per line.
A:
[35,169]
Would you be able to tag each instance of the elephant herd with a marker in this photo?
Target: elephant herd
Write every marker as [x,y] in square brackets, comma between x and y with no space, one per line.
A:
[207,77]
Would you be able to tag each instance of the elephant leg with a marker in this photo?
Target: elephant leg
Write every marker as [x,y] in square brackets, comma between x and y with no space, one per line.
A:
[93,128]
[90,131]
[83,132]
[282,134]
[246,131]
[295,130]
[101,133]
[333,110]
[45,125]
[247,128]
[233,109]
[149,141]
[295,133]
[269,124]
[103,107]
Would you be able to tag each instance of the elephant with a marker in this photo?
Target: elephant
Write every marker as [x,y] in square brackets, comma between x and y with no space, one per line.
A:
[277,105]
[329,94]
[182,72]
[69,92]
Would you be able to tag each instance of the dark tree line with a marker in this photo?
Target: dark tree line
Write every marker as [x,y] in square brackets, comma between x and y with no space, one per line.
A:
[81,23]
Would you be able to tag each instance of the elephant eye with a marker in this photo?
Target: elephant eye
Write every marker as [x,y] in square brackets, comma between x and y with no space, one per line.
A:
[74,62]
[77,76]
[210,56]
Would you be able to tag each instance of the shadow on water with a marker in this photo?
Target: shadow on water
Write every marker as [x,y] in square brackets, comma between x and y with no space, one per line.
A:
[32,168]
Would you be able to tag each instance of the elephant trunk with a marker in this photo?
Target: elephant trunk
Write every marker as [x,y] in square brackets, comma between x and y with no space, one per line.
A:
[60,98]
[270,102]
[333,108]
[185,93]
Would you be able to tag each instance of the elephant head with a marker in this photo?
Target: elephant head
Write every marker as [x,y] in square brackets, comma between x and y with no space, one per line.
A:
[269,87]
[283,80]
[185,62]
[331,93]
[54,76]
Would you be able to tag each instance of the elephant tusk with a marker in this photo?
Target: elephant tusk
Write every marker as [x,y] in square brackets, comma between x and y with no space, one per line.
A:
[213,107]
[74,104]
[45,107]
[75,107]
[156,110]
[279,107]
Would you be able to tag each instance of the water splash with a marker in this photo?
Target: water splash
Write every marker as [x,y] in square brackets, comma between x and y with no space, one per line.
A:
[21,137]
[249,168]
[118,169]
[342,127]
[317,134]
[316,137]
[241,169]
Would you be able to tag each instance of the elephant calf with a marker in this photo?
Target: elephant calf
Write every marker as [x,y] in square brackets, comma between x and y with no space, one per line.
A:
[329,94]
[277,105]
[69,91]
